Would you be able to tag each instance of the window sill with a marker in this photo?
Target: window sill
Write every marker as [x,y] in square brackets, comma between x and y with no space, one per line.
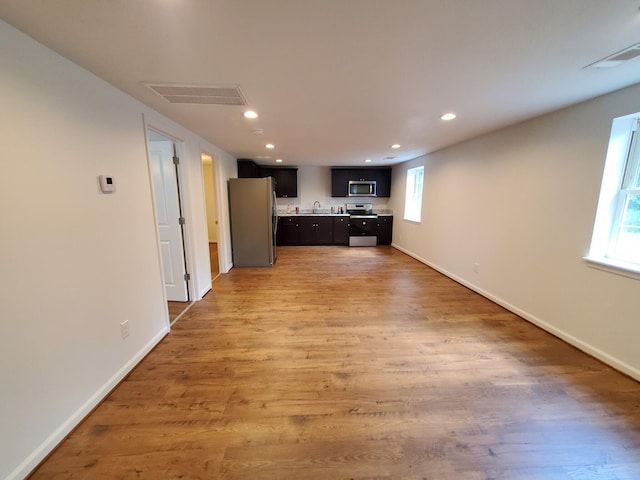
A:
[629,270]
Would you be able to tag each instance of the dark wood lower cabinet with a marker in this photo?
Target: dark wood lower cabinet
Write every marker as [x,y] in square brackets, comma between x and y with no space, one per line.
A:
[341,230]
[288,231]
[316,230]
[385,229]
[305,230]
[325,230]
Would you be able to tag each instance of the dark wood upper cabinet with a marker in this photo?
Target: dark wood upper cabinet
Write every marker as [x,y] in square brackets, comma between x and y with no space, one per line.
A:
[383,182]
[362,174]
[339,182]
[285,179]
[340,178]
[248,169]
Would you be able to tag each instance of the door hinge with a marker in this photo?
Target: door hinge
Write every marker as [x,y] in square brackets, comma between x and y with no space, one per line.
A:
[181,221]
[176,160]
[187,276]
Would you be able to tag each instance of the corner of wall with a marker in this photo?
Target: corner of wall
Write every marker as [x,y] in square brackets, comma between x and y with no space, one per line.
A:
[67,426]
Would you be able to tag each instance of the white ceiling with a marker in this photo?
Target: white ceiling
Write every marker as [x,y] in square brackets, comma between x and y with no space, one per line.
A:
[339,81]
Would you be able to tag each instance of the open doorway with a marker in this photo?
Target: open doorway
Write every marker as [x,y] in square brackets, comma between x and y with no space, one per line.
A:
[164,162]
[208,175]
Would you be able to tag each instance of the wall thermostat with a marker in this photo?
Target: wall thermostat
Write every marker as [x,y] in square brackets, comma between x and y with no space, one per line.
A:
[107,184]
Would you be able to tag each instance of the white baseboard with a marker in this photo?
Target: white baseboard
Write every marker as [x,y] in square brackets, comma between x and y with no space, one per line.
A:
[204,291]
[570,339]
[32,461]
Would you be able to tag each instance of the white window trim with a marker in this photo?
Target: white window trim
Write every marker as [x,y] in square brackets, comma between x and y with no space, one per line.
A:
[608,210]
[613,266]
[419,205]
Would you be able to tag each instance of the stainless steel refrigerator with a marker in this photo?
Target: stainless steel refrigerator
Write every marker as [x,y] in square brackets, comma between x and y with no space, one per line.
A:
[254,221]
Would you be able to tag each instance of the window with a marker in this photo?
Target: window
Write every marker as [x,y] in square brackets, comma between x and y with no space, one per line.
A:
[413,196]
[625,237]
[616,235]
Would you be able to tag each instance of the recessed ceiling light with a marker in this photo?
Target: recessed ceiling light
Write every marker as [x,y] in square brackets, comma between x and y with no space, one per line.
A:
[270,145]
[250,114]
[279,160]
[448,116]
[368,160]
[395,145]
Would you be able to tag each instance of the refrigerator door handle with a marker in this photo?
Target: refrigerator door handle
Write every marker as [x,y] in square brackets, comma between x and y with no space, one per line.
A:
[275,213]
[274,216]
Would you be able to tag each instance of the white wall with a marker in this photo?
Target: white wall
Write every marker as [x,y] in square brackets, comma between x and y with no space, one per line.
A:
[521,203]
[226,169]
[75,263]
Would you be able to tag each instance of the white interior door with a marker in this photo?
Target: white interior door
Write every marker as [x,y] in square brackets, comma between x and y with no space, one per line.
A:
[165,184]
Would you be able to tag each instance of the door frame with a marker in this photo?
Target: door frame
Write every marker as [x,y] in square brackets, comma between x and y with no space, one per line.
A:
[215,168]
[182,188]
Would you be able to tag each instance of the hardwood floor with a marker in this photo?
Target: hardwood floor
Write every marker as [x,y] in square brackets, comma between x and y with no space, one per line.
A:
[176,308]
[213,260]
[357,363]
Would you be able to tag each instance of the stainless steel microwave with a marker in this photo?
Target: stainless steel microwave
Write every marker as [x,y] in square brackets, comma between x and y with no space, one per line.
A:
[362,188]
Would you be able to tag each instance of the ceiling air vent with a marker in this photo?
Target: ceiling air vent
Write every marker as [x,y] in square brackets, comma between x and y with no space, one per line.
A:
[225,95]
[617,58]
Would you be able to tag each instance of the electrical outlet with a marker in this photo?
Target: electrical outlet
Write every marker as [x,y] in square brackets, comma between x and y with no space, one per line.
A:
[124,329]
[476,267]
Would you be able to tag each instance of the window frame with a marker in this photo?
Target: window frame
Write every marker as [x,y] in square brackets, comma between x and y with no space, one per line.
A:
[629,187]
[621,168]
[413,202]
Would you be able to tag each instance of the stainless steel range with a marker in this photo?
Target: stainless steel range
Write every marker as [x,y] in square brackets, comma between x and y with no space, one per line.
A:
[363,225]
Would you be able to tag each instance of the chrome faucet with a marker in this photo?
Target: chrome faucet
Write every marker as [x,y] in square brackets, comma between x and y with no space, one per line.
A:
[316,208]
